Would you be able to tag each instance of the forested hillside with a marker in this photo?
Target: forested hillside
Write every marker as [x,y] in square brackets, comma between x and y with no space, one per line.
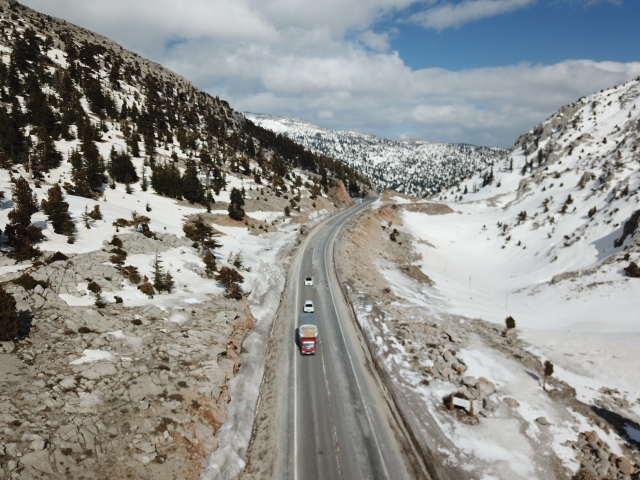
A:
[413,167]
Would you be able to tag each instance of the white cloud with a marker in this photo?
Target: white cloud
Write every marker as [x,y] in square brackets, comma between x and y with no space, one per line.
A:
[294,58]
[375,41]
[447,15]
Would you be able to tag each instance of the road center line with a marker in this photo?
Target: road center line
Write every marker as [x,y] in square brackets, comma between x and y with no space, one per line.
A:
[364,403]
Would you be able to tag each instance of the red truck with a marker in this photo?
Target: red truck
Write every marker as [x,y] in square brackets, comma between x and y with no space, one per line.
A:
[307,333]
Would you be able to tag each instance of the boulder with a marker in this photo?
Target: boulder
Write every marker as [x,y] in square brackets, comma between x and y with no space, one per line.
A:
[454,338]
[7,347]
[543,421]
[485,386]
[459,367]
[68,383]
[625,466]
[512,402]
[68,432]
[98,371]
[470,381]
[38,460]
[37,442]
[144,388]
[489,405]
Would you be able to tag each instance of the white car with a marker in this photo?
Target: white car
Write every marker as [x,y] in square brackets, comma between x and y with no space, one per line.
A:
[308,281]
[308,307]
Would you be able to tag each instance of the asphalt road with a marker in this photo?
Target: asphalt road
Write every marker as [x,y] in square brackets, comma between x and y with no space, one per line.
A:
[334,422]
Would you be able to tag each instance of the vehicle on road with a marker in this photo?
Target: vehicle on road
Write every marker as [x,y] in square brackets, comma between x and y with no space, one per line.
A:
[307,333]
[308,281]
[308,307]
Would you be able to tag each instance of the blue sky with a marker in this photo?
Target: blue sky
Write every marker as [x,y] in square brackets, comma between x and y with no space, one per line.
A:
[545,32]
[471,71]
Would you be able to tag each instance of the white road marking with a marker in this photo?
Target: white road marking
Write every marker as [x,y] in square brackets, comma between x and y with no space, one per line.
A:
[295,380]
[375,437]
[333,427]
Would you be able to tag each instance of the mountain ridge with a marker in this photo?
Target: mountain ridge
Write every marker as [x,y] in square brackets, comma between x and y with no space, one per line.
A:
[414,167]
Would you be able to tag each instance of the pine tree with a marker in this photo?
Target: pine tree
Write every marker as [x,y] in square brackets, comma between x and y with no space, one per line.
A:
[81,187]
[75,159]
[94,167]
[200,232]
[25,205]
[58,211]
[158,273]
[548,371]
[143,181]
[231,280]
[209,264]
[168,282]
[236,211]
[192,189]
[9,326]
[121,168]
[20,232]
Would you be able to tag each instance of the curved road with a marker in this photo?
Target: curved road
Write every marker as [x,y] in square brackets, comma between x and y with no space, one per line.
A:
[332,420]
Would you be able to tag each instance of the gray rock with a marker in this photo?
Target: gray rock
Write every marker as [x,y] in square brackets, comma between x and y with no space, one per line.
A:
[7,347]
[23,306]
[203,432]
[89,439]
[625,466]
[144,388]
[602,454]
[67,383]
[98,371]
[37,442]
[454,338]
[485,386]
[12,449]
[68,432]
[12,465]
[470,381]
[146,447]
[512,402]
[145,458]
[603,469]
[489,405]
[38,301]
[543,421]
[38,460]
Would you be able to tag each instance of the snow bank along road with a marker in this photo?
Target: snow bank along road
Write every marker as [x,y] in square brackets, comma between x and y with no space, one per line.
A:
[331,420]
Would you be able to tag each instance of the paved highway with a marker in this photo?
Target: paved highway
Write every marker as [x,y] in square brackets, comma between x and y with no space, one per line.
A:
[332,420]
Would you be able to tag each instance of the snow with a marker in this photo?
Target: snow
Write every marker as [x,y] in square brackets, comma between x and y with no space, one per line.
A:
[90,356]
[412,167]
[266,216]
[74,301]
[557,273]
[133,341]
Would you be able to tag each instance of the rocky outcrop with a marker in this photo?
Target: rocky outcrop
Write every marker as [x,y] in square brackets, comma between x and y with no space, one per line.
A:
[114,392]
[598,462]
[629,228]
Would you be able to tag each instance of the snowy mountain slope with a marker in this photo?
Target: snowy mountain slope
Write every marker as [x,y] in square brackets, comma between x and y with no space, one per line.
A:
[547,237]
[413,167]
[110,130]
[551,241]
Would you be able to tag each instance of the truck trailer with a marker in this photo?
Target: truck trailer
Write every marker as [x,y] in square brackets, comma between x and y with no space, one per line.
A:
[307,333]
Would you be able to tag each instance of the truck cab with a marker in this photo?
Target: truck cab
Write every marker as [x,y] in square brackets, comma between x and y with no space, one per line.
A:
[308,346]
